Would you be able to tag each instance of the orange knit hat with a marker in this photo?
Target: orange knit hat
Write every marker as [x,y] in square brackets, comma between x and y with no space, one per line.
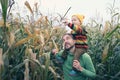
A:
[80,17]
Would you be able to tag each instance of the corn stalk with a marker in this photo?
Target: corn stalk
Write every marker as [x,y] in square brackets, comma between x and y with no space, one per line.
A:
[1,63]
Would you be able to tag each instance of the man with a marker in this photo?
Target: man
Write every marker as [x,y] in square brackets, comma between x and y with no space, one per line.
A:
[85,67]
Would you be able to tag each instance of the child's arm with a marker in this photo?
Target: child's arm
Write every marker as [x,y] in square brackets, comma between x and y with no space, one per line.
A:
[77,28]
[72,26]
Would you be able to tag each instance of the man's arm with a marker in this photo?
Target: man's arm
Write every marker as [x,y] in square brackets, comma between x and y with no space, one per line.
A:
[89,69]
[55,56]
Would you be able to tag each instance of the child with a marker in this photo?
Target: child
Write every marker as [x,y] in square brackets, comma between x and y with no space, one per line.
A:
[79,35]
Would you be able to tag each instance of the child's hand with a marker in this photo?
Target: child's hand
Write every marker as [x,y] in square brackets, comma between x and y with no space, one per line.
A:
[65,22]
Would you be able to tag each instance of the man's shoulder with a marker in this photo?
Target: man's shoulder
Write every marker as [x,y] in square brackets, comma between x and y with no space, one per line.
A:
[86,55]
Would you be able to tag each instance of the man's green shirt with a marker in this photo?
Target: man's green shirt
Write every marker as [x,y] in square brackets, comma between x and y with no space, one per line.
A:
[88,71]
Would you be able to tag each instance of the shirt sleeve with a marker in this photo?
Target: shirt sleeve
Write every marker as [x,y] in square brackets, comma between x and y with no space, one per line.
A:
[74,27]
[54,59]
[59,53]
[89,69]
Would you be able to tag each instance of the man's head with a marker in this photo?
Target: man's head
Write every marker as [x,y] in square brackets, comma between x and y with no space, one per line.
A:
[68,41]
[77,19]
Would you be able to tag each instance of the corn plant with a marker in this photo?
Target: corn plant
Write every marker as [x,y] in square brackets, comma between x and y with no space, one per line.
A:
[26,45]
[26,52]
[105,48]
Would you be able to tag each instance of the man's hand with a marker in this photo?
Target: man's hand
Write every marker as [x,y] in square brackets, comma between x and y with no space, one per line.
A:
[54,51]
[76,64]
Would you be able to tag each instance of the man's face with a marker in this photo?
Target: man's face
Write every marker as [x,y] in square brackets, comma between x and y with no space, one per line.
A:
[68,42]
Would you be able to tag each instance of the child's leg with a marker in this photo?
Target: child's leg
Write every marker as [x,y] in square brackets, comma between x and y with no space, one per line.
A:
[78,53]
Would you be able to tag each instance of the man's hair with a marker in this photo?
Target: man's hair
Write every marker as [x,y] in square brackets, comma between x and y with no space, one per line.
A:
[68,34]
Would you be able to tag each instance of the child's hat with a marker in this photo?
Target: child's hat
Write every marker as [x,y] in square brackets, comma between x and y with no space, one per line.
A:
[80,17]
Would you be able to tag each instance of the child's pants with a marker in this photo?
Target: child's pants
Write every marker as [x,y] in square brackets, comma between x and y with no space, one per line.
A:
[78,53]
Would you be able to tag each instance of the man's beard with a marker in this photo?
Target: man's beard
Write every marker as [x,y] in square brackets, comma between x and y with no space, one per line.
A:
[68,49]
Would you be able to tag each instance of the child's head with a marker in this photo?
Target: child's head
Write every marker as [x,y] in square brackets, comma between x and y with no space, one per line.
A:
[77,19]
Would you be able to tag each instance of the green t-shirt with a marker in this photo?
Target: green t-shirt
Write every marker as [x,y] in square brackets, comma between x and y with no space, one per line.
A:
[86,63]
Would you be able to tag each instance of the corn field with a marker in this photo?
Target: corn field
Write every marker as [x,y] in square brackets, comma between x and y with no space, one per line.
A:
[26,44]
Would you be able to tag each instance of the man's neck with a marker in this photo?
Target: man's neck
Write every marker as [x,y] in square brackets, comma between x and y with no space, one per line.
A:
[72,50]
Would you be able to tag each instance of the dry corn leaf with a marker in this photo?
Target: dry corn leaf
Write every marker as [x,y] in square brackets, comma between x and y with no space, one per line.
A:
[36,41]
[32,55]
[11,39]
[2,23]
[26,72]
[36,31]
[46,20]
[55,45]
[42,39]
[24,40]
[105,51]
[106,28]
[39,38]
[28,6]
[1,57]
[46,34]
[47,31]
[16,20]
[42,20]
[27,30]
[38,21]
[36,6]
[50,45]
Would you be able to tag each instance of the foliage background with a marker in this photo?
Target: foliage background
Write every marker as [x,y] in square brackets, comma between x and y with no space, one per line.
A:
[26,43]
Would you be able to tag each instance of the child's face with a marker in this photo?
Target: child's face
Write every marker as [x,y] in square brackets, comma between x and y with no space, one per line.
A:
[76,21]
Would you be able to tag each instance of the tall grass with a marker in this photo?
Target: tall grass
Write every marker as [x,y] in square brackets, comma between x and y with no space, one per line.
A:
[4,5]
[26,53]
[105,48]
